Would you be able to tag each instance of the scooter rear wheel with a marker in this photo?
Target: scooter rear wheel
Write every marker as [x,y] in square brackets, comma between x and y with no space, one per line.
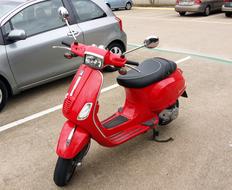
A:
[65,168]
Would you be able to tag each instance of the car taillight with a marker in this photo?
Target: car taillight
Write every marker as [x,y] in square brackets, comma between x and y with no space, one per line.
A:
[197,1]
[226,1]
[120,23]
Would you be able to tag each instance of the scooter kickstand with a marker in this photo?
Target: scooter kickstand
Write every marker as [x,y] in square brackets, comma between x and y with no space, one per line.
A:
[156,134]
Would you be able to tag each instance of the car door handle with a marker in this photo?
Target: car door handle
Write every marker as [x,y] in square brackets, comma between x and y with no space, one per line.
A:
[76,33]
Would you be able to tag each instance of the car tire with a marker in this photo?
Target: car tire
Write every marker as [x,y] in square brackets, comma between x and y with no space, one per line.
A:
[228,14]
[116,48]
[182,13]
[128,6]
[3,95]
[207,11]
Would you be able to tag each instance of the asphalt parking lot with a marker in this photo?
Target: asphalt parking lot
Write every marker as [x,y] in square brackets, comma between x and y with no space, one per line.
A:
[199,157]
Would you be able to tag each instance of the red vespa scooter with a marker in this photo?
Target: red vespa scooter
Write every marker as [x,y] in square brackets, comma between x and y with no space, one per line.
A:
[152,91]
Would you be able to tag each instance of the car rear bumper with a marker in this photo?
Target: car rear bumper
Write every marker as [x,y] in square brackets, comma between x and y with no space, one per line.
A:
[226,9]
[192,8]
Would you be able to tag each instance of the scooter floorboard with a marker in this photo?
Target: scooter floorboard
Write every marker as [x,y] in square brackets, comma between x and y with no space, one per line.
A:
[128,134]
[115,122]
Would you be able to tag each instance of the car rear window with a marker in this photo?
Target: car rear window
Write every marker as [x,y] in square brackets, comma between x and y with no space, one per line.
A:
[6,6]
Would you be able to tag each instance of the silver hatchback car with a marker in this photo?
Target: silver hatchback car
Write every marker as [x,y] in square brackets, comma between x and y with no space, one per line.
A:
[29,29]
[198,6]
[227,8]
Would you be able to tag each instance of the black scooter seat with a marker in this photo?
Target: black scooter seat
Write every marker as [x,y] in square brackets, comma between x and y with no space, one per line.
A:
[151,71]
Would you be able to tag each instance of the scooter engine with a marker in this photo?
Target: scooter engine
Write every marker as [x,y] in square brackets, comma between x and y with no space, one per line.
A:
[169,114]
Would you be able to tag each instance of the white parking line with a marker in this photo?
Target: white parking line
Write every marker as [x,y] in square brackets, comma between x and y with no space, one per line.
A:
[183,60]
[29,118]
[58,107]
[109,88]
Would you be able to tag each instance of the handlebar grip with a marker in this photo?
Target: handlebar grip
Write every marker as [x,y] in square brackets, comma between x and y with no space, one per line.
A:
[132,63]
[68,44]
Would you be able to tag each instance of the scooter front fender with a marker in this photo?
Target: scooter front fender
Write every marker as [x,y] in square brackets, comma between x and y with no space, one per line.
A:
[71,141]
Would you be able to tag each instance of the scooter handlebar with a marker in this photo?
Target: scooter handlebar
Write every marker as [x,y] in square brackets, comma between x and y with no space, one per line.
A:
[132,63]
[109,58]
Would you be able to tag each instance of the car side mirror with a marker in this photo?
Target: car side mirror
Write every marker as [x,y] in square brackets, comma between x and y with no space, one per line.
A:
[16,35]
[151,42]
[63,13]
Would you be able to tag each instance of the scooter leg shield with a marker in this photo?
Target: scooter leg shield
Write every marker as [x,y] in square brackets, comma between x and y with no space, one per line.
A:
[72,140]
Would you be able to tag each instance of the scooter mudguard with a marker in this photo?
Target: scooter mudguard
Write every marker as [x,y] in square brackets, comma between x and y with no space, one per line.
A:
[72,140]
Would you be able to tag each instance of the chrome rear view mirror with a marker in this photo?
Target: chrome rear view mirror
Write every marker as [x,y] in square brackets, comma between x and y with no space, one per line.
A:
[151,42]
[63,13]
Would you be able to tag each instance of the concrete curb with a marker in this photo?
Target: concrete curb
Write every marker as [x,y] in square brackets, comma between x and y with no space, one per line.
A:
[154,8]
[150,5]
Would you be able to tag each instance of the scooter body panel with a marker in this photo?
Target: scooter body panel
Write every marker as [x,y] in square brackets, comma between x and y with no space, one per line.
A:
[158,96]
[69,149]
[145,104]
[84,88]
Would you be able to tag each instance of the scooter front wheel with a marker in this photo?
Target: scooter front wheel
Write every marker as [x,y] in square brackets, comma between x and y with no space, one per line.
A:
[65,168]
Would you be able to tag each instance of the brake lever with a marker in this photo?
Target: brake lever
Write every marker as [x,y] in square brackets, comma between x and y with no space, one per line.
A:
[61,47]
[129,66]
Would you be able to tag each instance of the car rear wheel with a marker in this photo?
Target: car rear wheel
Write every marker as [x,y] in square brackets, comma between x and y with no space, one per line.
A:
[182,13]
[3,95]
[128,6]
[228,14]
[207,11]
[116,48]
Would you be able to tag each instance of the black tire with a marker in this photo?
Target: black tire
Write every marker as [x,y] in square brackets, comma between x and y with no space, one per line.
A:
[182,13]
[116,48]
[65,168]
[228,14]
[3,95]
[207,11]
[128,6]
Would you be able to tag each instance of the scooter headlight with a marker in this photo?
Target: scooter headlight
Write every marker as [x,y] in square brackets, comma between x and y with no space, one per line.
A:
[84,113]
[94,60]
